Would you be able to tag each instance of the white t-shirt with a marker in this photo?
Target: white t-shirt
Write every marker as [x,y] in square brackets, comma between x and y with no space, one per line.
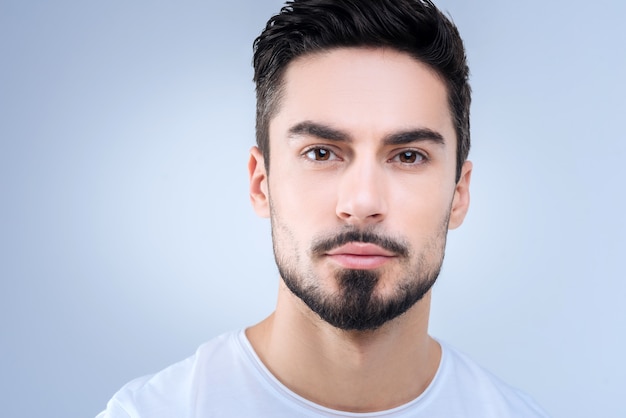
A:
[225,378]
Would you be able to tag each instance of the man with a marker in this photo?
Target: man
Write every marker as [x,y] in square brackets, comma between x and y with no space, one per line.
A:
[363,135]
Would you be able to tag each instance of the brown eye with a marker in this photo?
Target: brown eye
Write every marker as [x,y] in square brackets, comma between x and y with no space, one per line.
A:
[319,154]
[410,157]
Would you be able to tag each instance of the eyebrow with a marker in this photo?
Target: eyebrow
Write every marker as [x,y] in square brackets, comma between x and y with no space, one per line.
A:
[414,135]
[318,130]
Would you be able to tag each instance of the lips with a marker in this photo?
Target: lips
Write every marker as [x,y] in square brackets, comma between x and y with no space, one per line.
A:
[358,255]
[361,248]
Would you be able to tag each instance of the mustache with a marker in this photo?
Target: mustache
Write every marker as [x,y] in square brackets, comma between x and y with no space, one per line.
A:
[322,245]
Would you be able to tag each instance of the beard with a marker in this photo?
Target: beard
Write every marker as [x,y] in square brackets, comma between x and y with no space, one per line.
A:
[356,305]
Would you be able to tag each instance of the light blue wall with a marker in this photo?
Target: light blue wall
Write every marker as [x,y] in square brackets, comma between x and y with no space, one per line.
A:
[126,236]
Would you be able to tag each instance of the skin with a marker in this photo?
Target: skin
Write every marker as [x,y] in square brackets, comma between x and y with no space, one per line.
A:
[345,172]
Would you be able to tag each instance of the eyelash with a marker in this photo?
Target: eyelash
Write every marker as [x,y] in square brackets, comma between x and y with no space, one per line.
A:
[316,150]
[420,156]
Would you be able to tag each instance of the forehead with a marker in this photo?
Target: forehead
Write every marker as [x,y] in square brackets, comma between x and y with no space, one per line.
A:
[363,91]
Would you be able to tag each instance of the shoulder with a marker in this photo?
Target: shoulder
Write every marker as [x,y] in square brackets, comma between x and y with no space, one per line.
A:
[476,387]
[167,393]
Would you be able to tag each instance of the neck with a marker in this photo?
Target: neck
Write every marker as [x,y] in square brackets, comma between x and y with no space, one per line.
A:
[356,371]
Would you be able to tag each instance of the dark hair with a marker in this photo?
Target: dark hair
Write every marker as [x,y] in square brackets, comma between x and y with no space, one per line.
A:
[415,27]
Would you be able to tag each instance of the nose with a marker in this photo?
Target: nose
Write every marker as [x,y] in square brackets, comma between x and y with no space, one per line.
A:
[362,194]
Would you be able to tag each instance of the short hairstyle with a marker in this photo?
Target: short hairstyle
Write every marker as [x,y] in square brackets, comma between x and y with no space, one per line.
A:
[415,27]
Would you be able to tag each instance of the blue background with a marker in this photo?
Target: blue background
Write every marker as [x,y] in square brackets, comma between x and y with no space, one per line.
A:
[127,238]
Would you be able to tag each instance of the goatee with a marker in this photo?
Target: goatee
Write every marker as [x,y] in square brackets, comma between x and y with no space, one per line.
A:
[357,306]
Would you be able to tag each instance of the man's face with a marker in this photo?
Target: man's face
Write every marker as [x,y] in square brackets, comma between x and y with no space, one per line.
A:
[362,188]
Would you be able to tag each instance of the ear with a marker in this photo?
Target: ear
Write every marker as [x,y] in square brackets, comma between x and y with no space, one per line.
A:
[259,195]
[461,200]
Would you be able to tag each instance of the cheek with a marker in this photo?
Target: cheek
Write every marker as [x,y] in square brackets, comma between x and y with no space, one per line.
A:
[421,209]
[427,193]
[301,198]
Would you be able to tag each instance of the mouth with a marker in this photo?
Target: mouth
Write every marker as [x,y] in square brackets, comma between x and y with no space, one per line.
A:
[360,256]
